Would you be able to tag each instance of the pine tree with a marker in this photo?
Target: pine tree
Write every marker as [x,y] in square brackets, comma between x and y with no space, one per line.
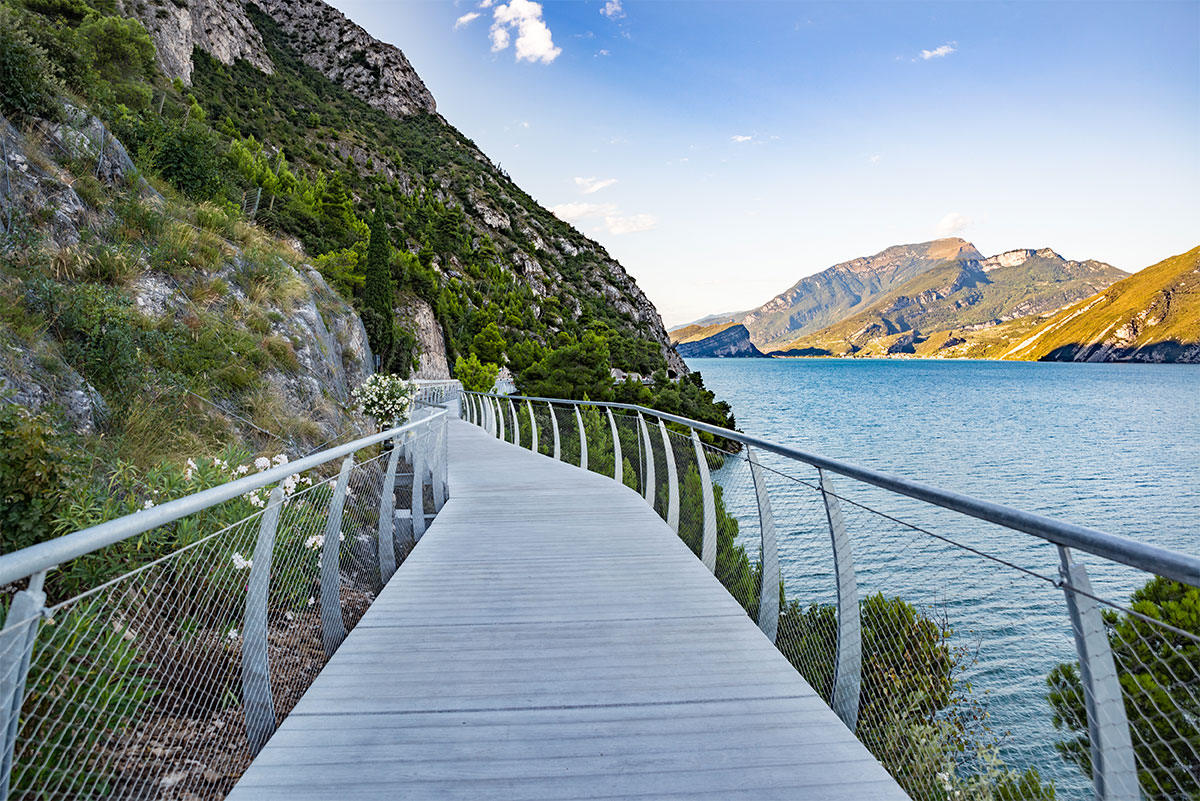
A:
[378,292]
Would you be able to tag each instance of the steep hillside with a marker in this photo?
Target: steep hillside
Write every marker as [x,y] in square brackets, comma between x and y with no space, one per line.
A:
[845,289]
[720,340]
[964,295]
[1151,316]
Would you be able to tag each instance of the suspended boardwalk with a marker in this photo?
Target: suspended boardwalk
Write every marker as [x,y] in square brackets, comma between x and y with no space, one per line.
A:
[551,638]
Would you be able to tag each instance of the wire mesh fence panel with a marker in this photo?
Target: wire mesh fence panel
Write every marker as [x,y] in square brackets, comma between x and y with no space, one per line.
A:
[143,672]
[739,533]
[629,435]
[568,433]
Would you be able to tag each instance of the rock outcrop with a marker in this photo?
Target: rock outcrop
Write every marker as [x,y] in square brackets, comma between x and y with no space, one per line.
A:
[731,340]
[218,27]
[350,57]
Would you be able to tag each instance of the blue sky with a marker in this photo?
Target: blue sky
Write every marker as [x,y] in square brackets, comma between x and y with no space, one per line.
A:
[723,150]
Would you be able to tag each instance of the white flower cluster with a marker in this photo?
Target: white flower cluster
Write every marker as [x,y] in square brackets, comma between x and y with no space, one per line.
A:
[385,397]
[240,562]
[258,498]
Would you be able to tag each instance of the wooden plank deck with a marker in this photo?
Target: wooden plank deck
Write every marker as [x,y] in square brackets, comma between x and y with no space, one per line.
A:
[551,638]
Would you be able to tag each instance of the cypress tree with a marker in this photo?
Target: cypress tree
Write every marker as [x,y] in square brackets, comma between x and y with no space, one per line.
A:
[378,292]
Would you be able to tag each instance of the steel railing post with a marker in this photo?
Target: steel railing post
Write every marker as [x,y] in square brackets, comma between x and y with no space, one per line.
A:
[618,460]
[648,455]
[672,479]
[417,496]
[333,625]
[444,462]
[583,462]
[500,419]
[533,427]
[1114,770]
[554,426]
[768,595]
[847,675]
[387,508]
[16,653]
[436,465]
[256,662]
[516,430]
[708,542]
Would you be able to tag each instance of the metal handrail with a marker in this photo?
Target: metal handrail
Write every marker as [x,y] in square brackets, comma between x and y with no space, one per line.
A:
[1143,556]
[45,555]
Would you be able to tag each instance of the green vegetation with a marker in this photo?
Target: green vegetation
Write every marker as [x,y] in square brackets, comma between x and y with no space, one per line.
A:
[476,376]
[1159,670]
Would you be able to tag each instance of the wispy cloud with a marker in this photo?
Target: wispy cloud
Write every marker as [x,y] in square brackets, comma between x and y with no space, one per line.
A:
[602,52]
[534,41]
[939,52]
[741,138]
[953,223]
[631,224]
[590,185]
[612,9]
[875,159]
[574,212]
[466,19]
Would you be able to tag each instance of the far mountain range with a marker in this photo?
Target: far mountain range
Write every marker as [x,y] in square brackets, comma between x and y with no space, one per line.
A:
[945,299]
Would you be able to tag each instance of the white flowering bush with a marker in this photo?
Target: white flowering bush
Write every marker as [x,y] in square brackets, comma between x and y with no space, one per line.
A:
[386,398]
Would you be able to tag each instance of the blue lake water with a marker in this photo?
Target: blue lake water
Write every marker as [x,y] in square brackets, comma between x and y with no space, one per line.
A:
[1114,447]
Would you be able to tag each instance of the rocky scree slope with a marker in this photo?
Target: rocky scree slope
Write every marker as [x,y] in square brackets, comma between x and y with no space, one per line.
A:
[119,307]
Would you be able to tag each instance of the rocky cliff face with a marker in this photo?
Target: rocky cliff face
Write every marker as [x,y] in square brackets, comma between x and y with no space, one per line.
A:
[350,57]
[732,341]
[218,27]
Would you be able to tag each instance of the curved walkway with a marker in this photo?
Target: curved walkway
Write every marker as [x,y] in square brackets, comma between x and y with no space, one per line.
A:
[550,637]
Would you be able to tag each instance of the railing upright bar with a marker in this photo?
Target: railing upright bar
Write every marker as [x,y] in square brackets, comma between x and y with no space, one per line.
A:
[768,596]
[16,653]
[583,455]
[672,479]
[618,460]
[500,419]
[387,520]
[554,426]
[516,429]
[533,428]
[847,676]
[648,472]
[708,542]
[256,664]
[1114,770]
[333,625]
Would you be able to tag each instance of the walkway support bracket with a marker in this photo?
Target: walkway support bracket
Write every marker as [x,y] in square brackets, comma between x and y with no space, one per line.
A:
[554,426]
[768,595]
[256,663]
[1114,770]
[648,472]
[847,675]
[618,460]
[583,462]
[708,542]
[672,478]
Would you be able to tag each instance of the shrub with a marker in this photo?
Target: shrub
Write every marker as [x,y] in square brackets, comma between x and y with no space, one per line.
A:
[188,159]
[476,376]
[35,469]
[26,75]
[386,398]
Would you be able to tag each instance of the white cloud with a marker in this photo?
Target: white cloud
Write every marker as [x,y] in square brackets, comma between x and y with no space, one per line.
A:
[953,223]
[485,4]
[631,224]
[590,185]
[466,19]
[574,212]
[939,52]
[602,52]
[875,159]
[612,9]
[525,124]
[742,138]
[534,40]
